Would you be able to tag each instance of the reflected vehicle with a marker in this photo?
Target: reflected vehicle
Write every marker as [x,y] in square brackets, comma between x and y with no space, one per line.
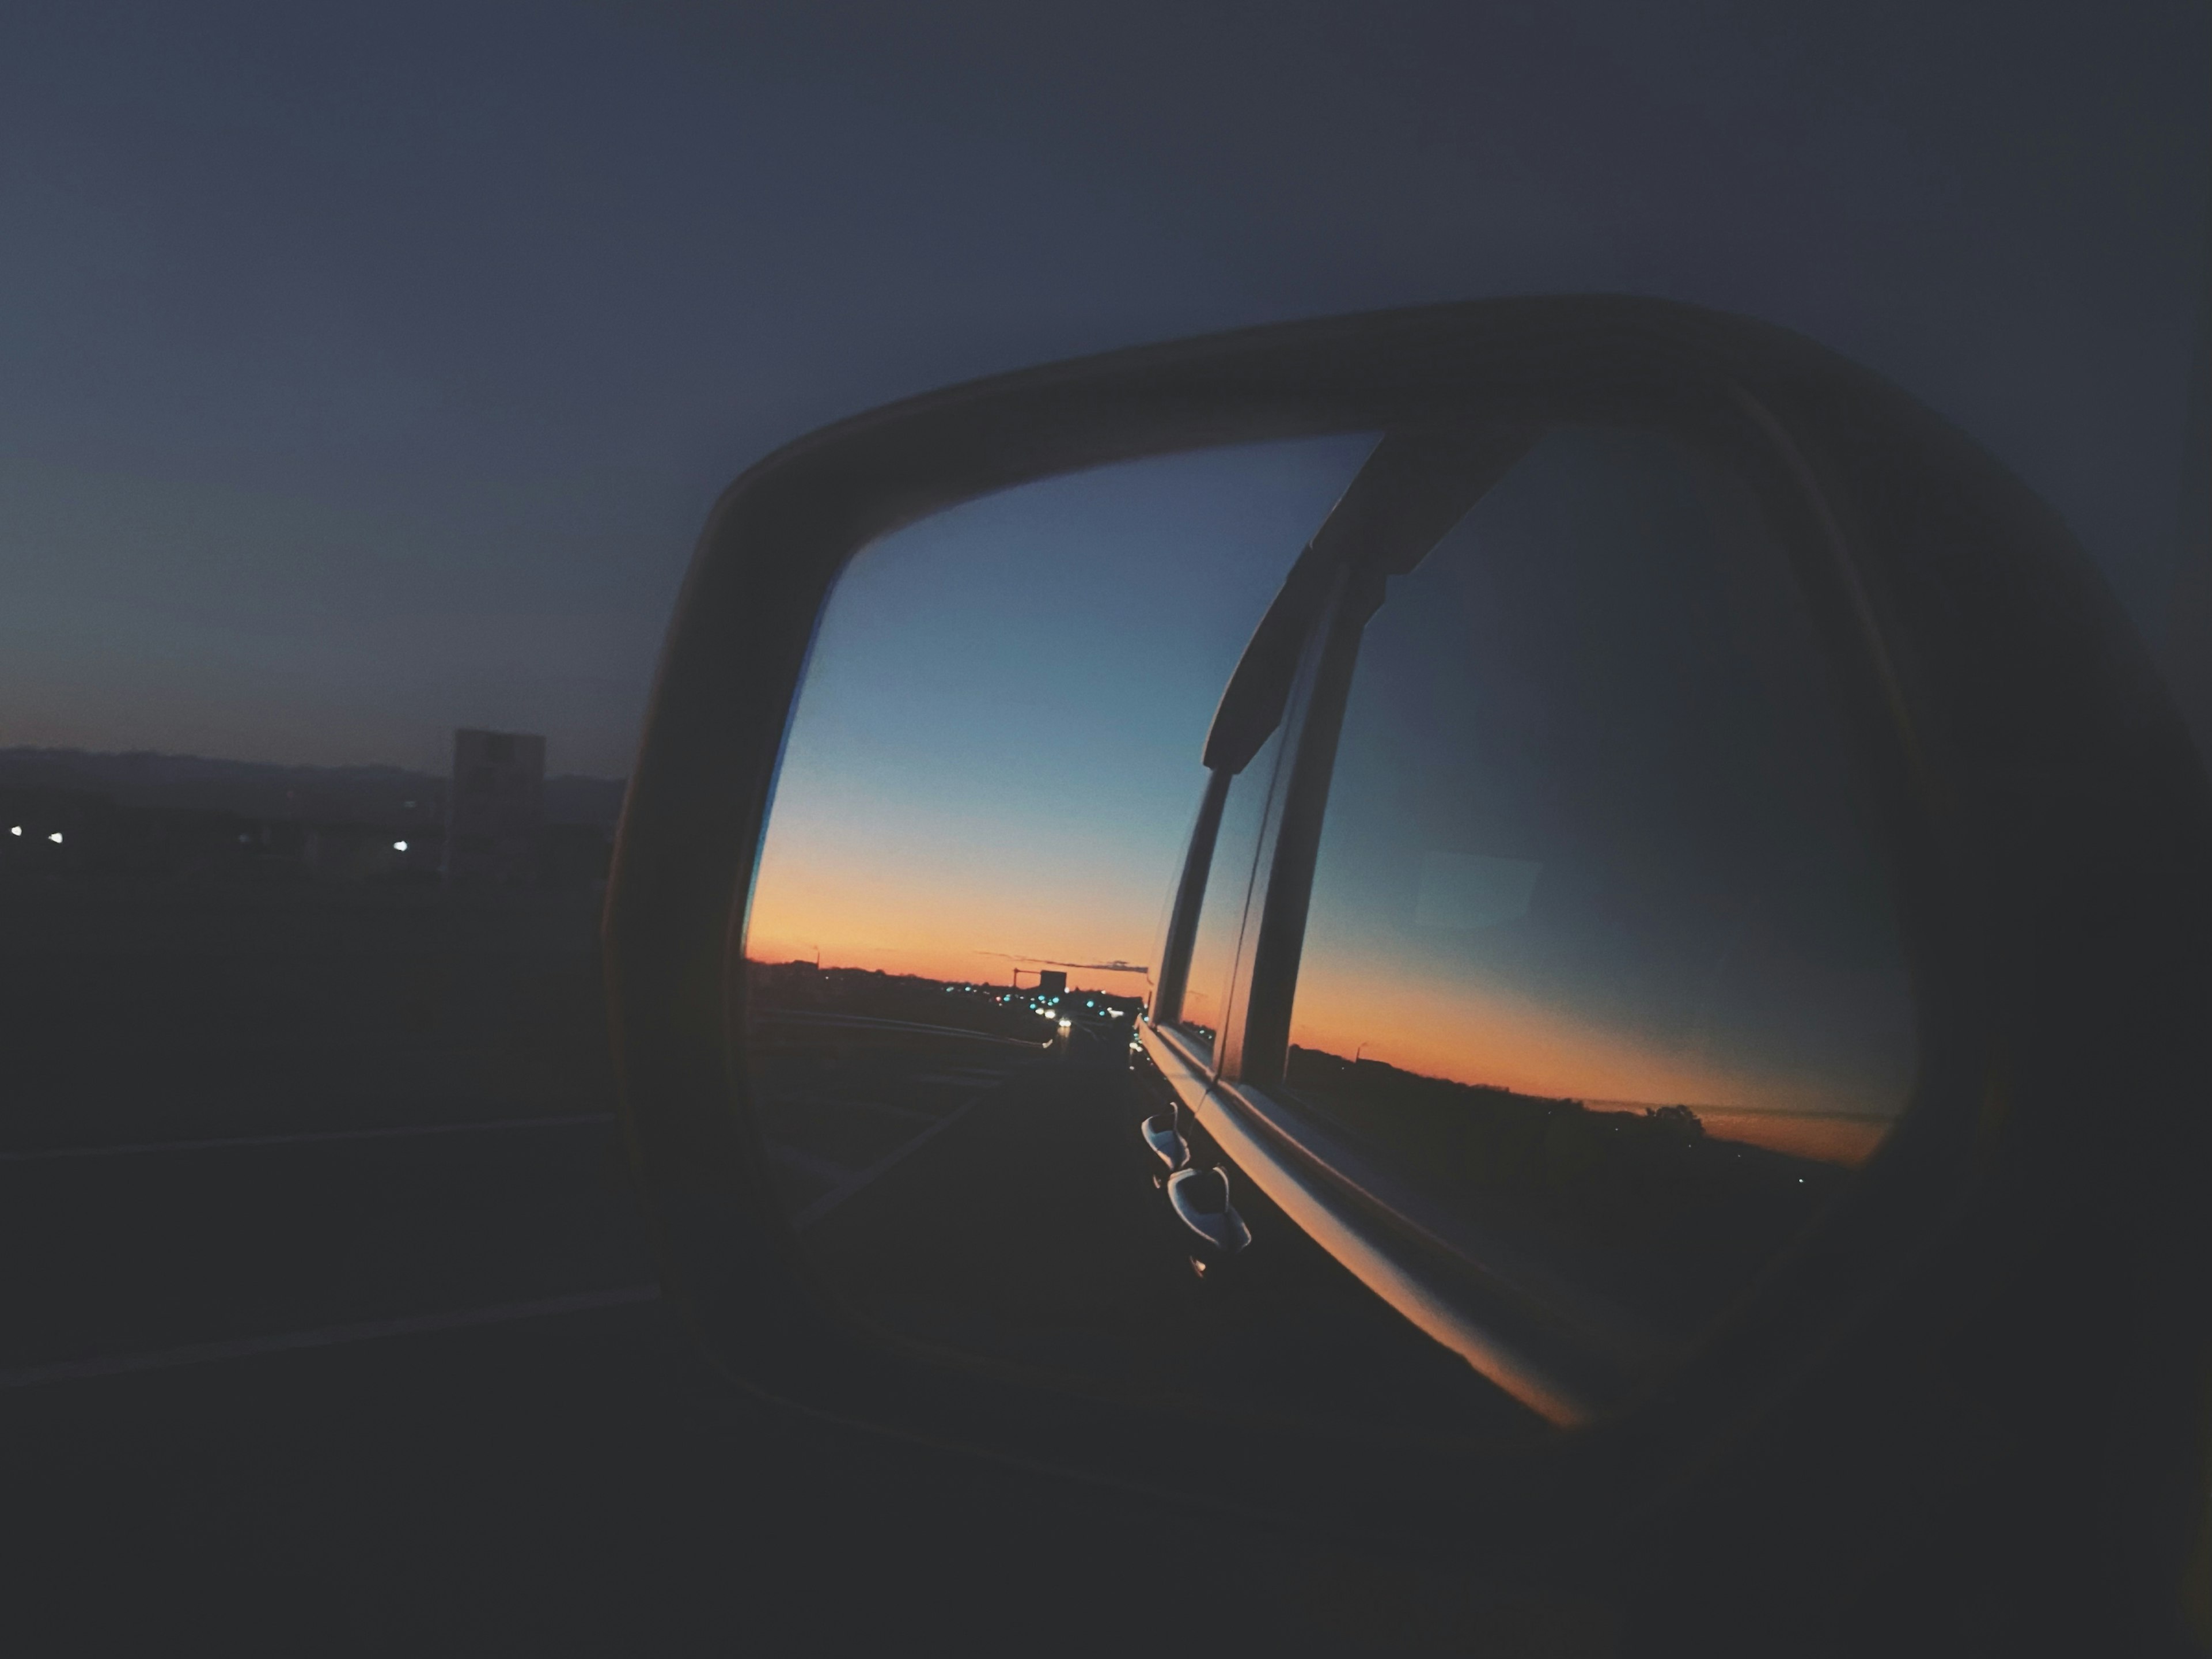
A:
[1564,986]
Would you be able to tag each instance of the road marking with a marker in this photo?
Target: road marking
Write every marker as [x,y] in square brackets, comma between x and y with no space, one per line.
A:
[330,1336]
[831,1199]
[308,1137]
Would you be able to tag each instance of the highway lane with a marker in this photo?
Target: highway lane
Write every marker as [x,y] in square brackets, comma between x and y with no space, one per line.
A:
[567,1478]
[152,1253]
[991,1198]
[1007,1205]
[119,1253]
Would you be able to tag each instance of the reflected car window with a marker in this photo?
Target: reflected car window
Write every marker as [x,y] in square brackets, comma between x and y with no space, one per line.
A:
[1599,961]
[1221,914]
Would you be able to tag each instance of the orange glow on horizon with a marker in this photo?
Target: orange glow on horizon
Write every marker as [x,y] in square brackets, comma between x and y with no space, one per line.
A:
[1470,1034]
[1849,1141]
[973,932]
[856,923]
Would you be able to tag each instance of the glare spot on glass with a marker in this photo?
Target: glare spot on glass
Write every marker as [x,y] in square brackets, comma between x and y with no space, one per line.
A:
[55,837]
[399,846]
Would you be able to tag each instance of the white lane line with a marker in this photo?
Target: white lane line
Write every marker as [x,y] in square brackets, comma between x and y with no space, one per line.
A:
[330,1336]
[831,1199]
[306,1138]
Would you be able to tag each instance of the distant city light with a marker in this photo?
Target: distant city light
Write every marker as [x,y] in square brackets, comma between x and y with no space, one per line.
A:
[55,837]
[399,846]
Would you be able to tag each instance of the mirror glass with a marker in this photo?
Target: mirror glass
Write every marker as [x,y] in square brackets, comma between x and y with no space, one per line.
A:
[1228,887]
[1598,989]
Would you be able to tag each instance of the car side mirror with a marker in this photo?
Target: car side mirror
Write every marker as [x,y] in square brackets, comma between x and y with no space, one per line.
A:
[1930,852]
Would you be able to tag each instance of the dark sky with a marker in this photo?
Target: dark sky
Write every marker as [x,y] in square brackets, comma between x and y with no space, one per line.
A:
[367,371]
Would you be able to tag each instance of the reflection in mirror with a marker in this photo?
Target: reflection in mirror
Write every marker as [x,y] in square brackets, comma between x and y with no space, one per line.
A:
[981,801]
[1228,884]
[1600,975]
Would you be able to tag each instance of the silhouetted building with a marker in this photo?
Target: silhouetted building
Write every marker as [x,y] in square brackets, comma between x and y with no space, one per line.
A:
[497,807]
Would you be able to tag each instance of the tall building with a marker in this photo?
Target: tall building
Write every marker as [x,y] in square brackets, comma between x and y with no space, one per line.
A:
[497,807]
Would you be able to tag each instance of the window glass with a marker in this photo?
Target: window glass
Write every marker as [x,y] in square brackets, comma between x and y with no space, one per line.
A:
[1228,885]
[1599,968]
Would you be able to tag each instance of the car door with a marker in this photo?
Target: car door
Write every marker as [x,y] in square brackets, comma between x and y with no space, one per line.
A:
[1543,964]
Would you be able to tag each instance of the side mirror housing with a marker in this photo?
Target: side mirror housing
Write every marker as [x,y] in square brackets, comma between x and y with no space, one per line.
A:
[2027,1257]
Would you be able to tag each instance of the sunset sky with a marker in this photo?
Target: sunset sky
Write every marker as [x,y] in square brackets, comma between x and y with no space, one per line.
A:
[996,749]
[1587,835]
[367,372]
[976,778]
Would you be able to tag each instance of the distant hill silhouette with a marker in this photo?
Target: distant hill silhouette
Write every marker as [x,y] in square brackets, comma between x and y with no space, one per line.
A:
[259,789]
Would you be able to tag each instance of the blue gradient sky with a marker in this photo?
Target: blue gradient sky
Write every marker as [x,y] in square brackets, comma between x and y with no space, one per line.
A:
[996,750]
[1591,830]
[368,370]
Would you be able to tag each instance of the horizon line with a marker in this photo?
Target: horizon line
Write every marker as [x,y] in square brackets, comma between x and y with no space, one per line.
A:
[295,766]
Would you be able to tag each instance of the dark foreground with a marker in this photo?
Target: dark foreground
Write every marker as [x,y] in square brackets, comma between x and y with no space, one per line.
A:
[577,1485]
[276,1374]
